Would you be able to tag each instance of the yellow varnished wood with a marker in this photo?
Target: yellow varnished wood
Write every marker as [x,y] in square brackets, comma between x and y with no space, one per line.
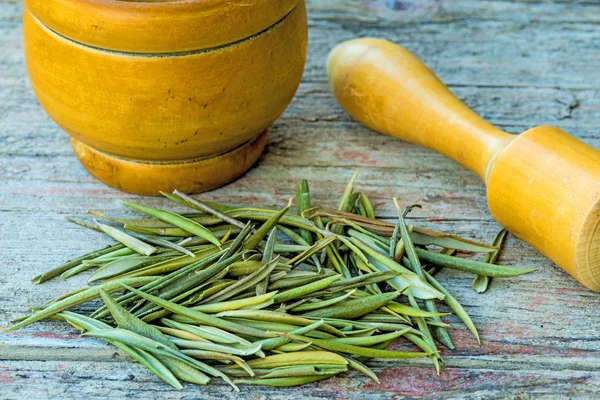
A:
[543,185]
[192,176]
[225,72]
[166,108]
[545,188]
[158,26]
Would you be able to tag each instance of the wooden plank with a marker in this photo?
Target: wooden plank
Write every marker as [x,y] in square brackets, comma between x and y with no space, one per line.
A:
[115,380]
[102,380]
[517,63]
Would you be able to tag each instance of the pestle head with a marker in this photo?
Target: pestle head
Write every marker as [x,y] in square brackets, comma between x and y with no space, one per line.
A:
[545,188]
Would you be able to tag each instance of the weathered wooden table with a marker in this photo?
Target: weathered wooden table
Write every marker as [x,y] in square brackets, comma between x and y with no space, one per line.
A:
[517,63]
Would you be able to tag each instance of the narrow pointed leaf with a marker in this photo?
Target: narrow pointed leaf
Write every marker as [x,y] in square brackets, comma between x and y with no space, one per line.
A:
[304,290]
[199,316]
[177,220]
[156,348]
[128,321]
[355,350]
[322,303]
[354,308]
[73,263]
[456,307]
[133,243]
[357,365]
[80,298]
[261,232]
[475,267]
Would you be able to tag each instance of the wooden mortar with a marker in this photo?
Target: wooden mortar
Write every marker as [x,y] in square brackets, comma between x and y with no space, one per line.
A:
[542,185]
[164,95]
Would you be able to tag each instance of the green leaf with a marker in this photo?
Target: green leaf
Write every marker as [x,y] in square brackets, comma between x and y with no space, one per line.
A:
[455,306]
[371,340]
[179,221]
[237,350]
[322,303]
[214,308]
[357,365]
[354,308]
[156,348]
[269,344]
[274,316]
[481,283]
[123,265]
[426,237]
[146,359]
[74,263]
[128,321]
[208,332]
[80,298]
[355,350]
[265,228]
[133,243]
[305,290]
[200,317]
[475,267]
[183,371]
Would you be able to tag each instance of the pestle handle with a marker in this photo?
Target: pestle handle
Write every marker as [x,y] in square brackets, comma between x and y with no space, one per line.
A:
[388,89]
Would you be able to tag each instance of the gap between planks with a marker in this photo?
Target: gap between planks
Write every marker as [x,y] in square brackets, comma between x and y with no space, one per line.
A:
[44,352]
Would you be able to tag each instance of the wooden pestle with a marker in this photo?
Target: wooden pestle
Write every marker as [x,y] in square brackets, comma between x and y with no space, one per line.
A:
[542,185]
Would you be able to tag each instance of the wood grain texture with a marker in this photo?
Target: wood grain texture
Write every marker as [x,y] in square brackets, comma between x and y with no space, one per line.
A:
[517,63]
